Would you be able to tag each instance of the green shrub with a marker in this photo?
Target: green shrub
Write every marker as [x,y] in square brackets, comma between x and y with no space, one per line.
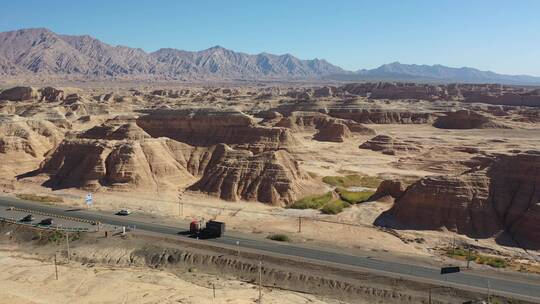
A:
[354,197]
[334,207]
[353,180]
[279,237]
[312,201]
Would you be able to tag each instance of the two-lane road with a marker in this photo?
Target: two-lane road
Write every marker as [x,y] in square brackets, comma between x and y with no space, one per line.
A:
[516,288]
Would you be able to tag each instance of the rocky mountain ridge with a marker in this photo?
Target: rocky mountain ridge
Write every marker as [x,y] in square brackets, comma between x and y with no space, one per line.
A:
[41,51]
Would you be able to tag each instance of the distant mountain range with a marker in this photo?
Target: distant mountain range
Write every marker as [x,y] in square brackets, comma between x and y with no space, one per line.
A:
[42,53]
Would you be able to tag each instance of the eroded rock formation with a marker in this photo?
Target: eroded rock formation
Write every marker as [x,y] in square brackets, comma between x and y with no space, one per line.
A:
[489,199]
[271,177]
[333,131]
[381,116]
[209,127]
[466,119]
[119,154]
[19,94]
[389,145]
[24,142]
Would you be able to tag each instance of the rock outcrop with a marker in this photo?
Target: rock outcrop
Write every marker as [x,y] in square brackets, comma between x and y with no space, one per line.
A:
[387,90]
[148,164]
[271,177]
[466,119]
[503,195]
[333,132]
[389,145]
[381,116]
[24,143]
[304,120]
[210,127]
[50,94]
[326,91]
[19,94]
[389,187]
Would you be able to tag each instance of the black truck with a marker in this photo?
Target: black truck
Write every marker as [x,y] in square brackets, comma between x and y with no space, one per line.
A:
[212,229]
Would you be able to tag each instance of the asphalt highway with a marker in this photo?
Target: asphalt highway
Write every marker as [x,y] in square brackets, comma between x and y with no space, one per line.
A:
[497,285]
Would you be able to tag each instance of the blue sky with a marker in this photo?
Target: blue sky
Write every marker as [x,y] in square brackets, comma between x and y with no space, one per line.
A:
[498,35]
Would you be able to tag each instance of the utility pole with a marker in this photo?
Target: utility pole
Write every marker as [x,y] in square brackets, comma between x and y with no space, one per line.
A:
[488,292]
[180,205]
[55,267]
[67,245]
[260,281]
[469,257]
[429,298]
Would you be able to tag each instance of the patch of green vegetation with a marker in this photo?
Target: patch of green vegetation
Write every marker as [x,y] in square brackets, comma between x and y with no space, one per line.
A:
[334,207]
[39,198]
[492,261]
[312,201]
[280,237]
[354,197]
[462,253]
[353,180]
[56,237]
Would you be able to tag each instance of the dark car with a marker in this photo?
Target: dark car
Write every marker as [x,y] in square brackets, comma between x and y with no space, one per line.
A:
[27,218]
[47,221]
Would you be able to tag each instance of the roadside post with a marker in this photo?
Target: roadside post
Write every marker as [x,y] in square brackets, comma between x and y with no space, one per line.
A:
[238,248]
[299,224]
[67,245]
[89,200]
[55,267]
[260,281]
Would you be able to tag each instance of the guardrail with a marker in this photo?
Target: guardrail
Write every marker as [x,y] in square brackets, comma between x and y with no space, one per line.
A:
[70,218]
[72,229]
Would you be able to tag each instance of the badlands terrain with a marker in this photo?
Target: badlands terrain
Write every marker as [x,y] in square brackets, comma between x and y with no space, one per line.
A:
[400,169]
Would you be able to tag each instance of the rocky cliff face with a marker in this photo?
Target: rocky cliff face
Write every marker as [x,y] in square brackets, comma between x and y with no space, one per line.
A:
[502,196]
[333,132]
[270,177]
[208,127]
[466,119]
[379,116]
[24,142]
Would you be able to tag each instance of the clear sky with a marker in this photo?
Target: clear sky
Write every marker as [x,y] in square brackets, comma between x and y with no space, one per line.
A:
[498,35]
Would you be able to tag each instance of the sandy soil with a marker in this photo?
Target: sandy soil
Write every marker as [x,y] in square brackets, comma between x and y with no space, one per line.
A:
[28,279]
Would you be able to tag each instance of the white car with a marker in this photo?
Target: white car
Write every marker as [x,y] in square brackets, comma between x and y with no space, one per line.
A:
[123,212]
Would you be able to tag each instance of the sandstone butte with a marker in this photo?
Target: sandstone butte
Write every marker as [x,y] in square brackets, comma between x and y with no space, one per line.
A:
[466,119]
[499,195]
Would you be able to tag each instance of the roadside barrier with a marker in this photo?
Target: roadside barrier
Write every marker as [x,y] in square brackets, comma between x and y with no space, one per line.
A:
[38,226]
[70,218]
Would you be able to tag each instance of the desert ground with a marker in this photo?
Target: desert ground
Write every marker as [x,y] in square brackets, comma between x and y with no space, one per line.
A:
[408,171]
[27,278]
